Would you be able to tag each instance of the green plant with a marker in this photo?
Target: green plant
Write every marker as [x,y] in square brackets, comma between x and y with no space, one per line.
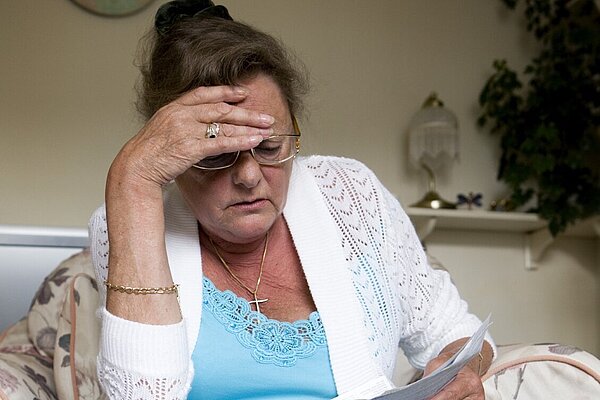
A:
[550,127]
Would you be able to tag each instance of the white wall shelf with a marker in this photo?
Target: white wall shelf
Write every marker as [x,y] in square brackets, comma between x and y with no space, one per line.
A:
[537,236]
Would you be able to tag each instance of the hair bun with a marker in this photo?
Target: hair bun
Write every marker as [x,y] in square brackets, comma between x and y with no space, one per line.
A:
[173,11]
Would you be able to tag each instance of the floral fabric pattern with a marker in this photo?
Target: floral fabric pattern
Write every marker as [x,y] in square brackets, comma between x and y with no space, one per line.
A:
[25,373]
[8,382]
[41,356]
[271,341]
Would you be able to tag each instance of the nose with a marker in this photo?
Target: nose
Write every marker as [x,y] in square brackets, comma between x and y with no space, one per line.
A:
[246,171]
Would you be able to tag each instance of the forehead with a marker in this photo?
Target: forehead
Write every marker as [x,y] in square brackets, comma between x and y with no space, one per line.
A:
[266,96]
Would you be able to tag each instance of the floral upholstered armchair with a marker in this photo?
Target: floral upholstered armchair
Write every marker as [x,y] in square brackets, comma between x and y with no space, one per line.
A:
[51,352]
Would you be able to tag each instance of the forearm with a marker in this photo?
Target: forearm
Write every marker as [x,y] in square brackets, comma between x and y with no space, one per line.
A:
[135,222]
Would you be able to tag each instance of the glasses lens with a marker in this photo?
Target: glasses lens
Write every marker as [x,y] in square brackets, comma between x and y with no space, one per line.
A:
[275,149]
[218,161]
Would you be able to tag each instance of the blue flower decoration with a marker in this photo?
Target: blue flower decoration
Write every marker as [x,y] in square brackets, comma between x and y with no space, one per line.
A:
[271,341]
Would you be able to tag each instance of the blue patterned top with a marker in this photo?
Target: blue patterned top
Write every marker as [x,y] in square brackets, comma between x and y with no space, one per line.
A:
[241,354]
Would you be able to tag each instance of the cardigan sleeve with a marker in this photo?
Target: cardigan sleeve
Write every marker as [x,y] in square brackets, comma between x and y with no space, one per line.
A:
[434,313]
[136,360]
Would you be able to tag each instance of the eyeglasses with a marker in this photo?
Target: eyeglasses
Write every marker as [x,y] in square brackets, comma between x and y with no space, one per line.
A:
[275,149]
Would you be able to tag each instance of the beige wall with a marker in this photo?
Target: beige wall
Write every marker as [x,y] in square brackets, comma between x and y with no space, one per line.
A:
[66,79]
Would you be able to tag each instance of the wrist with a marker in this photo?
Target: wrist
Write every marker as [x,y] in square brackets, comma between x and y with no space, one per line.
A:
[123,184]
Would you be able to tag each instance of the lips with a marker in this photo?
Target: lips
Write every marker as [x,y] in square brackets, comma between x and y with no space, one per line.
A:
[247,201]
[250,204]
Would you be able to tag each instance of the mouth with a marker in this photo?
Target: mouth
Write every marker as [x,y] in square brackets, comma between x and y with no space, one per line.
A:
[250,205]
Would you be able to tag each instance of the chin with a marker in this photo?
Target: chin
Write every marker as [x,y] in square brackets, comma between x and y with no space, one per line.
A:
[250,229]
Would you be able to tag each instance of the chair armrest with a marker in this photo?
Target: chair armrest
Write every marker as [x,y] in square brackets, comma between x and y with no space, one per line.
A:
[542,371]
[52,352]
[78,333]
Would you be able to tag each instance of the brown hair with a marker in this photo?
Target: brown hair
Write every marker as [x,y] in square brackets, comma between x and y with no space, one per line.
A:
[213,51]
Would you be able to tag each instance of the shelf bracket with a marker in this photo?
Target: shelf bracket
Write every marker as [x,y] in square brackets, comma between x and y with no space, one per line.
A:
[536,243]
[424,229]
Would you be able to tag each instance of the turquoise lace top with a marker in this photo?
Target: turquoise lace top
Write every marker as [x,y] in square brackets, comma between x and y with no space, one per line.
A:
[241,354]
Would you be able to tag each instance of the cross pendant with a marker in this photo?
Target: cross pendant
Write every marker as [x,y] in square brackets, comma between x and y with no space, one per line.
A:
[256,302]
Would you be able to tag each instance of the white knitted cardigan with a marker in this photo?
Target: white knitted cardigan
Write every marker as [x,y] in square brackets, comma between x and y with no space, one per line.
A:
[365,268]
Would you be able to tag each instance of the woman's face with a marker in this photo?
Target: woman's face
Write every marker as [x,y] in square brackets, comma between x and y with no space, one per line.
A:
[240,203]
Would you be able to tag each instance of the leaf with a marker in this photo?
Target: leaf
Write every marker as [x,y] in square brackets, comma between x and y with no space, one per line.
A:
[44,294]
[66,361]
[59,280]
[64,342]
[46,363]
[548,127]
[58,273]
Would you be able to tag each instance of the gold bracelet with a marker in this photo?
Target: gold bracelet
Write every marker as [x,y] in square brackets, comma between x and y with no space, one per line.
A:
[480,362]
[133,290]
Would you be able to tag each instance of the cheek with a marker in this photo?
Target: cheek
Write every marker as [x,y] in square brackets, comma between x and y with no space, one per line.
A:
[197,189]
[206,183]
[279,181]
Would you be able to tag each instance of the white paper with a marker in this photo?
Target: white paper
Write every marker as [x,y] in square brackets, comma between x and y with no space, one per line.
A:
[428,386]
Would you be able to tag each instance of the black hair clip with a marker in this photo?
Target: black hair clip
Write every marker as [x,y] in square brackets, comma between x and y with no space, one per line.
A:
[173,11]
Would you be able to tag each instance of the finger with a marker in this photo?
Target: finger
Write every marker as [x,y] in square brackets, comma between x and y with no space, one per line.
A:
[232,120]
[230,130]
[212,94]
[467,385]
[433,364]
[219,145]
[216,99]
[231,114]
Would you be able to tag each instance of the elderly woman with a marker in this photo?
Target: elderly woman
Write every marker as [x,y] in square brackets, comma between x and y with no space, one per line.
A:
[238,270]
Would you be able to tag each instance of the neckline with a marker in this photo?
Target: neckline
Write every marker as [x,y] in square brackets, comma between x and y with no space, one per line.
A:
[245,308]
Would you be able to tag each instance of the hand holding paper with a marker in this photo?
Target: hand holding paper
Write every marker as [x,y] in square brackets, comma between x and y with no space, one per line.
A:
[430,385]
[434,382]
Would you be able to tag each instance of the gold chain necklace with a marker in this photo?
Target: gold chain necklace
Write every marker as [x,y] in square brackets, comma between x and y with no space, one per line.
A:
[256,302]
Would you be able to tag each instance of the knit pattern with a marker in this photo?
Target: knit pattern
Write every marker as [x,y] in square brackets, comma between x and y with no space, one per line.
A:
[403,301]
[395,286]
[119,384]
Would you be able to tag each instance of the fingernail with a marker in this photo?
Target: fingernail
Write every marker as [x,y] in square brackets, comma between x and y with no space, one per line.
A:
[267,118]
[241,91]
[254,140]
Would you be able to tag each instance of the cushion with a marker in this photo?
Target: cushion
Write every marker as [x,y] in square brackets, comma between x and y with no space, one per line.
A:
[25,373]
[543,371]
[78,334]
[52,352]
